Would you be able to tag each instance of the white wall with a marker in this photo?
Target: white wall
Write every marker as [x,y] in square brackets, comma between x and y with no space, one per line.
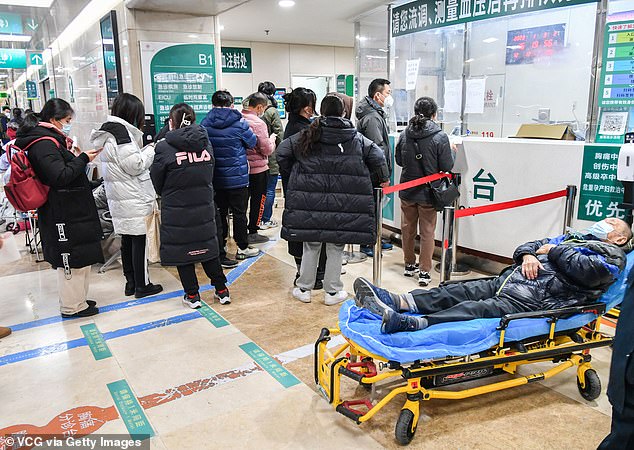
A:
[279,62]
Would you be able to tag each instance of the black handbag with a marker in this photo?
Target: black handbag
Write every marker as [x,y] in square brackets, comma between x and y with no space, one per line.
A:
[444,191]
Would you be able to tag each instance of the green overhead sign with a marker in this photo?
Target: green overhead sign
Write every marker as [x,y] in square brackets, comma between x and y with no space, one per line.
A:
[423,15]
[35,59]
[12,58]
[10,23]
[236,60]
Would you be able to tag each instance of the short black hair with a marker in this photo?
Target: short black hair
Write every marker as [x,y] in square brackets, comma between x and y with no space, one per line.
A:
[129,108]
[5,107]
[267,88]
[377,85]
[257,99]
[222,99]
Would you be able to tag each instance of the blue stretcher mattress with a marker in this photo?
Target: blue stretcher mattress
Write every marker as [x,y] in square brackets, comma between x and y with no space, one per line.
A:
[457,338]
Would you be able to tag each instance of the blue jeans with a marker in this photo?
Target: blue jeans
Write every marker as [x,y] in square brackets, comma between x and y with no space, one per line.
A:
[270,198]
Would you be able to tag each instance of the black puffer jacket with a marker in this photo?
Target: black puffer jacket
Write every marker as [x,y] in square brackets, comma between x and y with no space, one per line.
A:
[433,144]
[68,221]
[182,174]
[576,272]
[329,196]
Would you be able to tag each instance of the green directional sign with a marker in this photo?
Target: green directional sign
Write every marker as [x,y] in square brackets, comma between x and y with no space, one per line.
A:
[31,90]
[31,25]
[12,58]
[130,410]
[183,73]
[10,23]
[36,59]
[268,363]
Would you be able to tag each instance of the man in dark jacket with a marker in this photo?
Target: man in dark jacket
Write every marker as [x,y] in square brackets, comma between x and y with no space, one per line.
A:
[230,137]
[569,270]
[621,386]
[372,123]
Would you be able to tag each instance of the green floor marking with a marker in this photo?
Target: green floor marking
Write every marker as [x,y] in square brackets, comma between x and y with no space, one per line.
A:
[130,410]
[96,342]
[212,316]
[268,363]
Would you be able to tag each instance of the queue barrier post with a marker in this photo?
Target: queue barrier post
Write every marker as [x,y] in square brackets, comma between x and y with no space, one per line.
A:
[376,260]
[447,244]
[571,195]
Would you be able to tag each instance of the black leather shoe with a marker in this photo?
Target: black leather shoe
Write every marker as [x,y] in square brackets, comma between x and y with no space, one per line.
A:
[150,289]
[91,302]
[129,288]
[90,311]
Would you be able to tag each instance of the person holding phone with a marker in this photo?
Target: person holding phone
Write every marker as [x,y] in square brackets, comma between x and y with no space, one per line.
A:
[125,167]
[69,226]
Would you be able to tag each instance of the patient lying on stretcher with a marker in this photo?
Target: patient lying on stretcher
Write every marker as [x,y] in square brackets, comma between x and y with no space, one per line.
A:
[569,270]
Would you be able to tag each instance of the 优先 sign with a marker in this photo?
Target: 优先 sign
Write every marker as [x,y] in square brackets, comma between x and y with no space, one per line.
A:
[423,15]
[600,193]
[236,60]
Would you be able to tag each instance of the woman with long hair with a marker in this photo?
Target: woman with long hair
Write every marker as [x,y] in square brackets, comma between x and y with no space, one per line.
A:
[329,196]
[422,149]
[131,198]
[68,221]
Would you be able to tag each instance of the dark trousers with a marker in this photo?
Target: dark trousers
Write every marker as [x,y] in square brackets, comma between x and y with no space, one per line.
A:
[213,270]
[622,435]
[464,301]
[133,260]
[219,230]
[257,192]
[237,201]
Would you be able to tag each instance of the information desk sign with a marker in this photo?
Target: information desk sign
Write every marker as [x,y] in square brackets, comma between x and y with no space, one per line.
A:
[617,74]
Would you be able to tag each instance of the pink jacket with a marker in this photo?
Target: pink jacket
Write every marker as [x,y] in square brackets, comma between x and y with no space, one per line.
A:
[259,155]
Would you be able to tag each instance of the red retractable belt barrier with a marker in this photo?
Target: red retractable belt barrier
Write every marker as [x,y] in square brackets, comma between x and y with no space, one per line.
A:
[417,182]
[510,204]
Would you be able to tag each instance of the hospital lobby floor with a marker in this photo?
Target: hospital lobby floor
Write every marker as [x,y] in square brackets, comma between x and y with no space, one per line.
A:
[190,379]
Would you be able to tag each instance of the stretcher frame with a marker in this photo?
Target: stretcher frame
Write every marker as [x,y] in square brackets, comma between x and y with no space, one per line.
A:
[424,380]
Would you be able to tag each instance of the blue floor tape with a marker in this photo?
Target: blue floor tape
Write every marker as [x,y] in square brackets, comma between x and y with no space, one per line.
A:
[233,275]
[81,342]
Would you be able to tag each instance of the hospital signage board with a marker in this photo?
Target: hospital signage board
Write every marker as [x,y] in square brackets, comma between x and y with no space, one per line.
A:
[31,90]
[236,60]
[617,73]
[600,193]
[182,73]
[10,23]
[423,15]
[12,58]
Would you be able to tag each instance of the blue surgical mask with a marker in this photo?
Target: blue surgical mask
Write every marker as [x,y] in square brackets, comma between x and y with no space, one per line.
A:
[66,129]
[600,230]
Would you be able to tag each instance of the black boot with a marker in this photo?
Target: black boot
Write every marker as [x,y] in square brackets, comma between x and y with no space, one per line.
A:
[149,289]
[90,311]
[129,288]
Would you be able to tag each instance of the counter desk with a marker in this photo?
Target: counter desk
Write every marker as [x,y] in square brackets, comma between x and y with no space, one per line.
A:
[499,170]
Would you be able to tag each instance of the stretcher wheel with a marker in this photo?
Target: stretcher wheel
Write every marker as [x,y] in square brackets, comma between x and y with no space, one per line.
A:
[592,390]
[15,230]
[405,427]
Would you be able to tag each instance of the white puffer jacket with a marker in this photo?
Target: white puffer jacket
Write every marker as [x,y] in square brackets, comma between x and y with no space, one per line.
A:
[126,175]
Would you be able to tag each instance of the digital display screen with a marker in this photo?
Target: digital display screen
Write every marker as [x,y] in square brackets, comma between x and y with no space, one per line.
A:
[530,44]
[281,104]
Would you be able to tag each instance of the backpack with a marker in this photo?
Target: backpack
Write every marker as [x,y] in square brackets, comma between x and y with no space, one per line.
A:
[24,191]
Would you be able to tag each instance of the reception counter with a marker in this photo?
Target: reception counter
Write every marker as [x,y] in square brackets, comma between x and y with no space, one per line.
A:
[499,170]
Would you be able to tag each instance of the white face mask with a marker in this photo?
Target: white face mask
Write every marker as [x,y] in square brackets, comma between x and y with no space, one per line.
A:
[8,114]
[388,102]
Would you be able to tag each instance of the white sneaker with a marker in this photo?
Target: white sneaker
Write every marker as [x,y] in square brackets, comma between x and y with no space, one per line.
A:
[268,224]
[302,296]
[248,252]
[336,298]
